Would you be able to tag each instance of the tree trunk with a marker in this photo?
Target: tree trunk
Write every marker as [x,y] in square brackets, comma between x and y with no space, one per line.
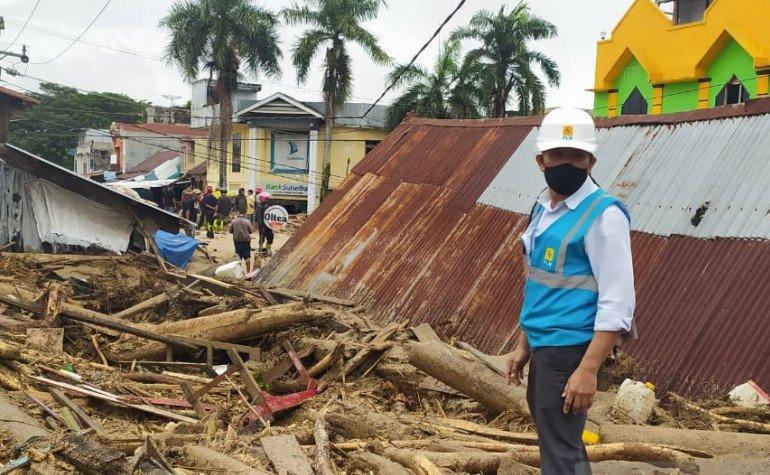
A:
[713,442]
[468,376]
[225,119]
[207,458]
[326,161]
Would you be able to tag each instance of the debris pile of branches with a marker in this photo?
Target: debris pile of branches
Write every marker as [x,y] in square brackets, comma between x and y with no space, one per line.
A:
[115,365]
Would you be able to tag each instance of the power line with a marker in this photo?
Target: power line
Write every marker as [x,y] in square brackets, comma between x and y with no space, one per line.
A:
[26,22]
[120,49]
[414,58]
[106,4]
[129,101]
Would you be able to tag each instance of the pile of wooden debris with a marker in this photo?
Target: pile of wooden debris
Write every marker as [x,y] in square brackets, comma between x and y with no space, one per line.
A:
[113,365]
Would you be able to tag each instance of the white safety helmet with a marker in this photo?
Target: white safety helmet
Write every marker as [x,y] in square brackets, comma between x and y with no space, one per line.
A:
[567,127]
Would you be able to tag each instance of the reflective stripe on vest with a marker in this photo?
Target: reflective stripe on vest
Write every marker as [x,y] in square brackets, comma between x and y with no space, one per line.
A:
[557,279]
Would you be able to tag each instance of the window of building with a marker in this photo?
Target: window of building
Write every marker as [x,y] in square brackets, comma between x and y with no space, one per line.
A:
[734,92]
[690,11]
[370,144]
[236,153]
[636,104]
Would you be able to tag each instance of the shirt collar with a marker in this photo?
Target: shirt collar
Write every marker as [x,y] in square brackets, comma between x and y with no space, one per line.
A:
[572,201]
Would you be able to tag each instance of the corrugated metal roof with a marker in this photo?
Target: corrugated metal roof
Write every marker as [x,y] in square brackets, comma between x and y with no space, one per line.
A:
[665,173]
[405,231]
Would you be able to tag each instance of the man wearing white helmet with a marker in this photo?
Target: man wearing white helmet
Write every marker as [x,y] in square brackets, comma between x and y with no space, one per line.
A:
[579,294]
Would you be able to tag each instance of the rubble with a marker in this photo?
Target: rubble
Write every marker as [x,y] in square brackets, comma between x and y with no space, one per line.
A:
[159,370]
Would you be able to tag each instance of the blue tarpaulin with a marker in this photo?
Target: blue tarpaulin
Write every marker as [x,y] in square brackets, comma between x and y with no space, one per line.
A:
[176,249]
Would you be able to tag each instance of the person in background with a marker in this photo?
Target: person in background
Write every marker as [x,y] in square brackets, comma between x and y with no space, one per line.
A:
[224,207]
[190,207]
[241,230]
[169,201]
[209,209]
[251,202]
[265,232]
[187,199]
[240,202]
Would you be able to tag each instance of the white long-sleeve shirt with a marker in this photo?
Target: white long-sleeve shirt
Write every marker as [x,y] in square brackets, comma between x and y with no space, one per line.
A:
[608,246]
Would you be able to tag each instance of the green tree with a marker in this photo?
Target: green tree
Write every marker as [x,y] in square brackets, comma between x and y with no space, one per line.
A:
[333,24]
[217,36]
[506,61]
[50,129]
[449,91]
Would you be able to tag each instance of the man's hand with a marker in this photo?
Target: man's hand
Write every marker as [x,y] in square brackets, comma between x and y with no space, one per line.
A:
[580,391]
[517,361]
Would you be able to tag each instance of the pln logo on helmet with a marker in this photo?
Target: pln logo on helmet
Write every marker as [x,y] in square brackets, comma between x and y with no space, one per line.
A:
[567,132]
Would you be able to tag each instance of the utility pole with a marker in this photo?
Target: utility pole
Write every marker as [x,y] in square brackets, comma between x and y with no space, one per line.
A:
[23,56]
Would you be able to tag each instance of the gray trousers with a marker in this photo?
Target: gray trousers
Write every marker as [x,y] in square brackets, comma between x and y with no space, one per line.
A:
[559,435]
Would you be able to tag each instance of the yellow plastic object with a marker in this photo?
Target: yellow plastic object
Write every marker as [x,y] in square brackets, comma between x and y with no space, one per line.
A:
[649,386]
[591,438]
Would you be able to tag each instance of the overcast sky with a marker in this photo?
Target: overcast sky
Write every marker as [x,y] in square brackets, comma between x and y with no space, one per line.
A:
[402,28]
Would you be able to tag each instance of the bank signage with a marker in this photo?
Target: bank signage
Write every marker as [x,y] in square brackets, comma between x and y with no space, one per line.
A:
[289,153]
[291,189]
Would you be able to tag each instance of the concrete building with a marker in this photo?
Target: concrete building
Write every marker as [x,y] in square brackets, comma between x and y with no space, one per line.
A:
[93,152]
[167,115]
[277,144]
[134,143]
[679,55]
[204,104]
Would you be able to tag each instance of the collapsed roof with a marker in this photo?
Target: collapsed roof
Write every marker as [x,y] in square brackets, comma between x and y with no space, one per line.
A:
[426,227]
[42,202]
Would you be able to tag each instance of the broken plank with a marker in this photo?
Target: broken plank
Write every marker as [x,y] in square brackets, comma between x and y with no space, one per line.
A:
[284,365]
[286,455]
[424,332]
[65,401]
[115,399]
[246,377]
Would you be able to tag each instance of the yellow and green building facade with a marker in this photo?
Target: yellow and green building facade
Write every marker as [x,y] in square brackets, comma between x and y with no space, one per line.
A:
[679,55]
[277,145]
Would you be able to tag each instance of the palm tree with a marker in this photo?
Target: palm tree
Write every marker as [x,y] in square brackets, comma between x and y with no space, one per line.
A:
[505,59]
[217,36]
[449,91]
[333,24]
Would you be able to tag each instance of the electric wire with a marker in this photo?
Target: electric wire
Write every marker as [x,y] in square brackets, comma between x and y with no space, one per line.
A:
[106,4]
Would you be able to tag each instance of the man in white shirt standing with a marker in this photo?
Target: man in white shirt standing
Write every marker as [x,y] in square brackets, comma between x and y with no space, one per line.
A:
[579,294]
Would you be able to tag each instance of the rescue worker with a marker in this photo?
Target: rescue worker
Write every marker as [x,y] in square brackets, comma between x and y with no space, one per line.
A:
[209,210]
[266,234]
[579,293]
[251,202]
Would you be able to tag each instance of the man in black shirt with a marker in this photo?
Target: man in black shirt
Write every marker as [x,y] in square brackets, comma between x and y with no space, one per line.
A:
[209,210]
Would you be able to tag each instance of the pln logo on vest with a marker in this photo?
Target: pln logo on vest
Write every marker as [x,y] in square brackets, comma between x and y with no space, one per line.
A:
[567,132]
[548,256]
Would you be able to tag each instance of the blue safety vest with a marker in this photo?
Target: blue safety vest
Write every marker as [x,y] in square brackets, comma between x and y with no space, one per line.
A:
[560,293]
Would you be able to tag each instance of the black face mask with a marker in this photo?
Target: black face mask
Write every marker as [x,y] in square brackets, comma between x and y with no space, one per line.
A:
[565,179]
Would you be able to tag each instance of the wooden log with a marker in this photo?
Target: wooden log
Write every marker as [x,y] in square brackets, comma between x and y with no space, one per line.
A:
[226,327]
[377,464]
[322,462]
[91,457]
[148,304]
[486,431]
[641,452]
[359,423]
[412,459]
[714,442]
[470,377]
[204,457]
[9,352]
[750,426]
[378,343]
[465,462]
